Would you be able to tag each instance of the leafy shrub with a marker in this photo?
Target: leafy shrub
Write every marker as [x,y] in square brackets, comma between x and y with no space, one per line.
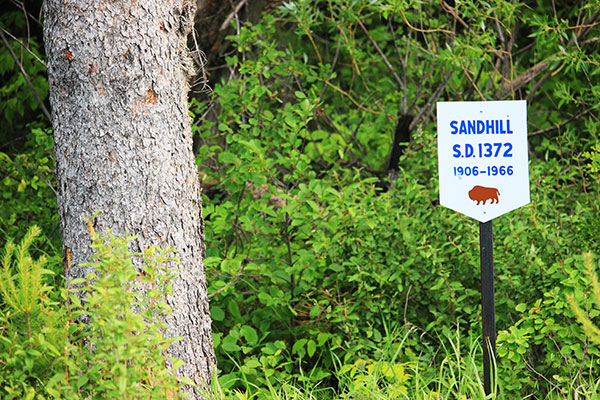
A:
[26,161]
[312,242]
[27,192]
[19,108]
[585,318]
[32,330]
[47,353]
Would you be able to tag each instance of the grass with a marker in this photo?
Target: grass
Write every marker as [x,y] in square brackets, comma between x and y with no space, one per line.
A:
[453,372]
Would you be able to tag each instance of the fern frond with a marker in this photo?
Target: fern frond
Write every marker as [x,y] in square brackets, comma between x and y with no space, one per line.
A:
[7,285]
[593,278]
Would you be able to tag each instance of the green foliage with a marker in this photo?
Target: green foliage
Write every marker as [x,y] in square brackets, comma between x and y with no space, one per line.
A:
[585,318]
[311,246]
[19,108]
[124,345]
[46,352]
[593,157]
[27,191]
[32,330]
[456,374]
[26,162]
[24,296]
[365,375]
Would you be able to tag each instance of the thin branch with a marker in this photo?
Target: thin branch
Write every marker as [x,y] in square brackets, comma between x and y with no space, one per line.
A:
[355,138]
[505,56]
[385,59]
[540,82]
[27,23]
[526,76]
[405,73]
[35,93]
[590,25]
[430,101]
[560,37]
[454,13]
[558,126]
[334,62]
[354,63]
[423,30]
[231,15]
[498,29]
[404,99]
[232,282]
[395,41]
[423,79]
[356,103]
[21,4]
[23,46]
[538,374]
[470,88]
[525,48]
[472,83]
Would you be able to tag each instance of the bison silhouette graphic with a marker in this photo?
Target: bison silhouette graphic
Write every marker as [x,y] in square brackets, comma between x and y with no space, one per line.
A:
[481,193]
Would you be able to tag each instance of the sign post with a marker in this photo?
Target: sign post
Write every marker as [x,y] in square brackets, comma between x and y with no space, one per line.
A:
[483,171]
[488,306]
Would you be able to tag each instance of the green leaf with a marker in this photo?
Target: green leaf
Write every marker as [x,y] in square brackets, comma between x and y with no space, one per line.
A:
[83,379]
[311,347]
[291,120]
[322,337]
[315,311]
[212,261]
[228,158]
[249,334]
[298,347]
[233,308]
[229,344]
[217,313]
[252,363]
[186,381]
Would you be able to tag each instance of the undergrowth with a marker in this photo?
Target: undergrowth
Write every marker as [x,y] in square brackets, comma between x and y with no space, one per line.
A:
[47,353]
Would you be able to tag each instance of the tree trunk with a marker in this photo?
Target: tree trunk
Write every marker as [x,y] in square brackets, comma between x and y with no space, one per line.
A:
[118,91]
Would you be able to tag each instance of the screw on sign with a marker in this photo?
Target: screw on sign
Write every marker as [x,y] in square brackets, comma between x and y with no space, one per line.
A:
[482,151]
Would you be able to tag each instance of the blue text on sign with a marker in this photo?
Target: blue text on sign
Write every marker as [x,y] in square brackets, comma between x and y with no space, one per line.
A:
[482,150]
[479,127]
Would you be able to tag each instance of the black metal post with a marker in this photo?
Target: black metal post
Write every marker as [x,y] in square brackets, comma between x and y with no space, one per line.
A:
[486,247]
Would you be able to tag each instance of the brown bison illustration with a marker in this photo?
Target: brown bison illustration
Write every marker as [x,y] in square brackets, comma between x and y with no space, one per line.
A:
[481,193]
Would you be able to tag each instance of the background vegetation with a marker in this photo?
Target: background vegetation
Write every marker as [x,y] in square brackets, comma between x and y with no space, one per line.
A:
[333,271]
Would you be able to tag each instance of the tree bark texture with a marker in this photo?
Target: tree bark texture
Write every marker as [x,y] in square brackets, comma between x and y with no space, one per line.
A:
[118,91]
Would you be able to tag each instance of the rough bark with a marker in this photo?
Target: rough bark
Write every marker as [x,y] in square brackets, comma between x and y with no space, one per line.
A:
[118,91]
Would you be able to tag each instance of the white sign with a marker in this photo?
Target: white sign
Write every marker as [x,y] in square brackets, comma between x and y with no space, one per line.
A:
[482,154]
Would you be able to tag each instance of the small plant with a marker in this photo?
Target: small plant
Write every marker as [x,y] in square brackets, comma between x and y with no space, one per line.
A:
[24,291]
[593,157]
[45,350]
[27,185]
[584,317]
[32,328]
[124,344]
